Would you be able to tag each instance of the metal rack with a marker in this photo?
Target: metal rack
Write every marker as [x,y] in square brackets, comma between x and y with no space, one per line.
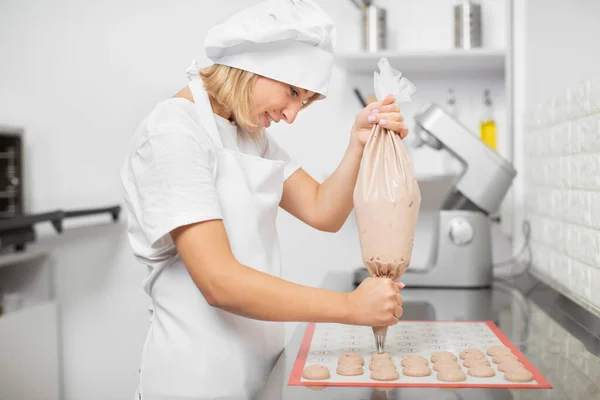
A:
[17,231]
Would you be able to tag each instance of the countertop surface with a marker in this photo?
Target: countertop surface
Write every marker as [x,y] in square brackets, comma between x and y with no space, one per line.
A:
[558,337]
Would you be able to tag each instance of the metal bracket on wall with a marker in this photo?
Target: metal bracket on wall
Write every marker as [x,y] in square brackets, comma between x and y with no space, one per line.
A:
[18,231]
[113,211]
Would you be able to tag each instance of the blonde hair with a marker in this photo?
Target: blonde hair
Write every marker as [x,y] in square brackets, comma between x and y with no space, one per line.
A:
[231,88]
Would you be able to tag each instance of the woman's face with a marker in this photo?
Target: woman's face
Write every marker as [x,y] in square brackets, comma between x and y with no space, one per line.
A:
[275,101]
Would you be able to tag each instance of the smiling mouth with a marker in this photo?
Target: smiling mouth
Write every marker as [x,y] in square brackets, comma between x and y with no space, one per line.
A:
[268,120]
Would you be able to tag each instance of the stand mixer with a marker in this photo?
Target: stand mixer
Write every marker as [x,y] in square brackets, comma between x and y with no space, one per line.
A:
[462,253]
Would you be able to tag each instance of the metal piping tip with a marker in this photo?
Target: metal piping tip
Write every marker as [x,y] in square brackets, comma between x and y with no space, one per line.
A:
[380,342]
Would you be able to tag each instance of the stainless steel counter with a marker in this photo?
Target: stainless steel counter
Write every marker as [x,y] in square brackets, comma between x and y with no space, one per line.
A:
[559,338]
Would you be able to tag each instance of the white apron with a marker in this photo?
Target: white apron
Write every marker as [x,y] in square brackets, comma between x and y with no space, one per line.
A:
[193,350]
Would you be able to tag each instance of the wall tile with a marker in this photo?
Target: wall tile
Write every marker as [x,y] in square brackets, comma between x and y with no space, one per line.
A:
[566,211]
[594,288]
[562,196]
[551,167]
[558,142]
[586,171]
[540,259]
[578,100]
[571,137]
[565,171]
[575,203]
[561,236]
[595,95]
[593,210]
[586,132]
[590,247]
[559,108]
[539,231]
[529,144]
[579,279]
[560,201]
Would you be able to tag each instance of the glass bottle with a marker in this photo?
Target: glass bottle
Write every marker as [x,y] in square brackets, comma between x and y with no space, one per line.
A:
[487,124]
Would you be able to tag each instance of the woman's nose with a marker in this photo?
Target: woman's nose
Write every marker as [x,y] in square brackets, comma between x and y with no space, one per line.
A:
[289,113]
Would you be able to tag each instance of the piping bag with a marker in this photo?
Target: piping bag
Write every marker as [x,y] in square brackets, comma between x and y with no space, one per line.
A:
[387,197]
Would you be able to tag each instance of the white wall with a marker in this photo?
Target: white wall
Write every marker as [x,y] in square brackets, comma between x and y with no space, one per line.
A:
[558,58]
[559,143]
[79,75]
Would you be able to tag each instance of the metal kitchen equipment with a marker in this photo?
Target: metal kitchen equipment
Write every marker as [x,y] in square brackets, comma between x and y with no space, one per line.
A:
[467,25]
[374,28]
[17,225]
[462,253]
[11,171]
[19,230]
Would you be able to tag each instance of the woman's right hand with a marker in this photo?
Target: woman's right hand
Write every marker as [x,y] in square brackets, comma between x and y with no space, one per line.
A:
[375,302]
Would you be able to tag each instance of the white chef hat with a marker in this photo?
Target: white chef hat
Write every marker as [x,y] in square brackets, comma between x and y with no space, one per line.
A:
[289,41]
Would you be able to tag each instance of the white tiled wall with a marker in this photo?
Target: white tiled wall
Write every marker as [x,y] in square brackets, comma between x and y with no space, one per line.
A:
[562,167]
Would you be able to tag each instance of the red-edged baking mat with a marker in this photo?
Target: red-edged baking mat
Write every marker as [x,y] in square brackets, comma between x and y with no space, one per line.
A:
[325,343]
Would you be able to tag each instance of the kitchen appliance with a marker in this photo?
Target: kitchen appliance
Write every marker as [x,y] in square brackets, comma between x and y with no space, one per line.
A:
[11,171]
[374,27]
[467,25]
[462,253]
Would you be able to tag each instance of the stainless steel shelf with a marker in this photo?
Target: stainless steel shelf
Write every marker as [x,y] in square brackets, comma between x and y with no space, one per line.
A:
[433,61]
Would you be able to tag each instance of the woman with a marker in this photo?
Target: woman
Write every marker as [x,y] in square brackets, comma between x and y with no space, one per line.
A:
[203,182]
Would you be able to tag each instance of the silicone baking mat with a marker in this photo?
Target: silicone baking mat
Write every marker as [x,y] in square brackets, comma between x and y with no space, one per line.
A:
[325,343]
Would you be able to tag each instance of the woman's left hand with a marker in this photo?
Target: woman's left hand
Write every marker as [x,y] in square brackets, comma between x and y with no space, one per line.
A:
[386,113]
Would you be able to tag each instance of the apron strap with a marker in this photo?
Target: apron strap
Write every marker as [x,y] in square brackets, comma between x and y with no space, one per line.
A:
[203,106]
[193,72]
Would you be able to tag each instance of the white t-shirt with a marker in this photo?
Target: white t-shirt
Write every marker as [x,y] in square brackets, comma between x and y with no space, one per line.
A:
[168,174]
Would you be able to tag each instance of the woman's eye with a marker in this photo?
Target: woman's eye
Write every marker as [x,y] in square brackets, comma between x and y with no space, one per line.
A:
[294,92]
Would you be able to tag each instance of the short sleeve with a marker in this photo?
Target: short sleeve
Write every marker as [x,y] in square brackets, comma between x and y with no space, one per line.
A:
[273,151]
[172,181]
